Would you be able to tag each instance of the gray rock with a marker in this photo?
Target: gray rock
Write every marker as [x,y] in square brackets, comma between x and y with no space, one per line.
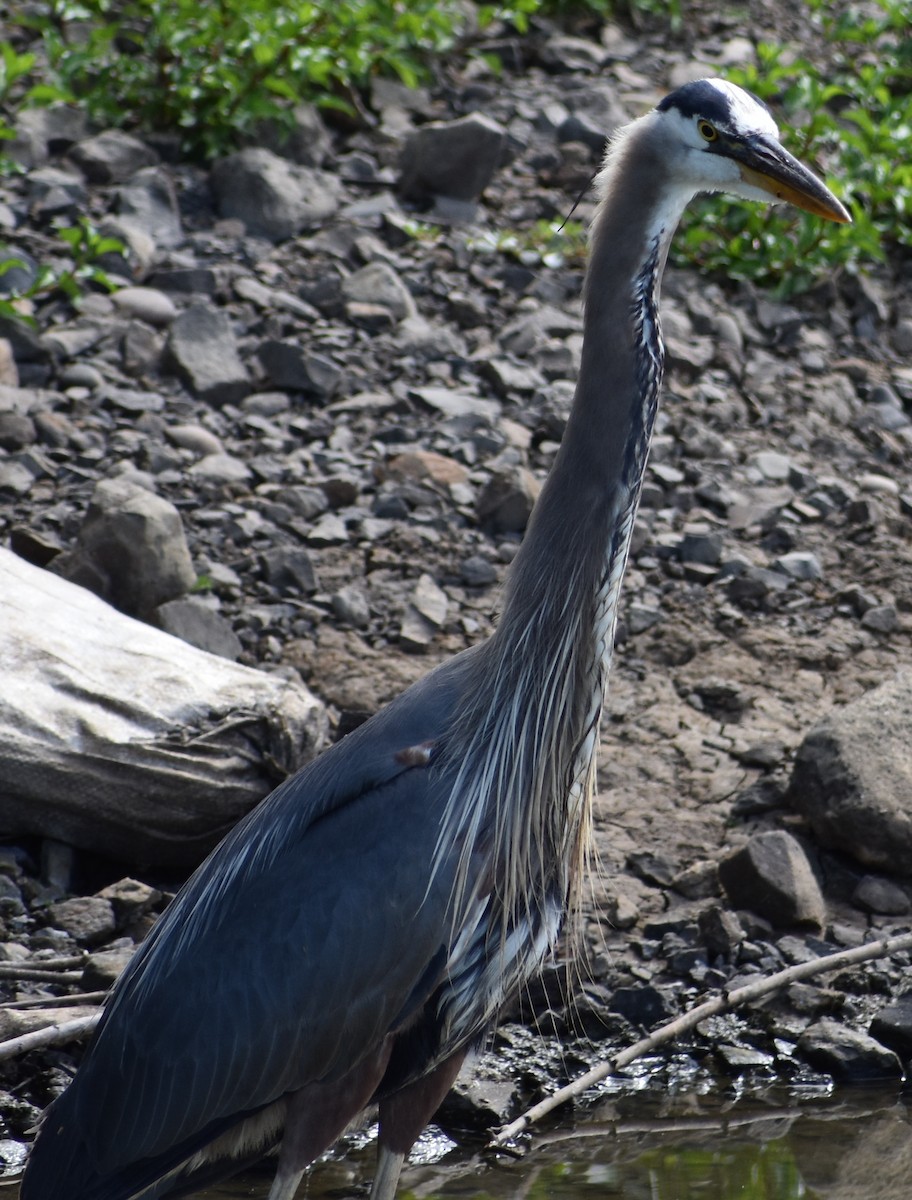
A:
[477,571]
[771,876]
[290,365]
[378,284]
[43,131]
[430,601]
[273,197]
[305,140]
[330,530]
[56,193]
[857,800]
[195,438]
[880,618]
[221,468]
[130,898]
[104,968]
[772,465]
[800,564]
[193,620]
[149,200]
[289,569]
[16,431]
[457,404]
[454,158]
[130,550]
[145,303]
[203,349]
[876,895]
[416,633]
[892,1026]
[847,1055]
[15,477]
[88,919]
[350,605]
[112,156]
[507,499]
[701,546]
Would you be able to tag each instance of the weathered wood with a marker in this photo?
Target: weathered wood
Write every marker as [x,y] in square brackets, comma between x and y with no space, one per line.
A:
[123,740]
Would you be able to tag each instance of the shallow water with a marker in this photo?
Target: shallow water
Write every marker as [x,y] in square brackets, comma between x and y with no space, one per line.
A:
[854,1145]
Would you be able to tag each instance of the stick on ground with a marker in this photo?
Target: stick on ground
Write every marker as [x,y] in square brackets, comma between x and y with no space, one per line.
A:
[724,1002]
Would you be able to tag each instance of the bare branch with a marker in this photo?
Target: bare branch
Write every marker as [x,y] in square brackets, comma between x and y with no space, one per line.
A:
[724,1002]
[51,1035]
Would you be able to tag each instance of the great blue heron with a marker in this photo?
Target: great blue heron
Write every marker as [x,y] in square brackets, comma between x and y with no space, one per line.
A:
[358,932]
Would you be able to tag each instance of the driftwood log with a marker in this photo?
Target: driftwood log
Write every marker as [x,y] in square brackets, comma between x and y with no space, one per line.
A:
[123,740]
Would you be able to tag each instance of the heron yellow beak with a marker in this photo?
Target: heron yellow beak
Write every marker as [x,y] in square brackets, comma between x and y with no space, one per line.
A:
[766,165]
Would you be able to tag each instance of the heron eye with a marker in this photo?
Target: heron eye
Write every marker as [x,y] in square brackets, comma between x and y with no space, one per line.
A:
[708,131]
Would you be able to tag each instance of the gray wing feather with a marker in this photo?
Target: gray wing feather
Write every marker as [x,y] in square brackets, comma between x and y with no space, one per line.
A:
[297,969]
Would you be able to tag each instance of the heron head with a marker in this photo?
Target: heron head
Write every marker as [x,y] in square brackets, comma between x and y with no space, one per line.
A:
[719,137]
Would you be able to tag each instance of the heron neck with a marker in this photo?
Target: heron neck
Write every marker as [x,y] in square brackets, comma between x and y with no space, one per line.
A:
[526,735]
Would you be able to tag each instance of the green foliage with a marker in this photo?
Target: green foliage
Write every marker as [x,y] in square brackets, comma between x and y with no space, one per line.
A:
[82,248]
[854,112]
[211,72]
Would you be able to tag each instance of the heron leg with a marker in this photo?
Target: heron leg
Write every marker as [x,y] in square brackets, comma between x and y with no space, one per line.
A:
[319,1113]
[403,1115]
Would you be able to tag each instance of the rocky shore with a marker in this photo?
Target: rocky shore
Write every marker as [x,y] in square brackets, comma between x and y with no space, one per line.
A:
[332,379]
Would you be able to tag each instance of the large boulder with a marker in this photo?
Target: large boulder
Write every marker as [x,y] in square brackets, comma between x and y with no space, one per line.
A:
[852,778]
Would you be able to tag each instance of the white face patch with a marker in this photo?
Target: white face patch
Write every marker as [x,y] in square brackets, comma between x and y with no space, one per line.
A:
[747,116]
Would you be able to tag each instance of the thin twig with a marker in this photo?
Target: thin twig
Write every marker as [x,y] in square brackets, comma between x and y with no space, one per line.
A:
[64,963]
[51,1035]
[724,1002]
[33,975]
[55,1001]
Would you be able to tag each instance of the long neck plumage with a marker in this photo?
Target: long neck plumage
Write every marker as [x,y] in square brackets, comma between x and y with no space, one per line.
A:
[527,736]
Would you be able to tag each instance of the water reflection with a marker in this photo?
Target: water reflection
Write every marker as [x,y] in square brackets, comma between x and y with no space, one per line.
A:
[854,1146]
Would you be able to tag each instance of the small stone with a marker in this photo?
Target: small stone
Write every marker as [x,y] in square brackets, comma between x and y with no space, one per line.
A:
[195,438]
[203,348]
[847,1055]
[290,570]
[273,197]
[289,365]
[378,284]
[416,633]
[194,621]
[149,200]
[507,499]
[876,895]
[112,156]
[16,431]
[131,548]
[892,1026]
[641,617]
[881,618]
[455,158]
[427,464]
[221,468]
[130,898]
[800,565]
[104,968]
[701,546]
[88,919]
[351,606]
[330,530]
[430,601]
[772,877]
[772,465]
[477,571]
[148,304]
